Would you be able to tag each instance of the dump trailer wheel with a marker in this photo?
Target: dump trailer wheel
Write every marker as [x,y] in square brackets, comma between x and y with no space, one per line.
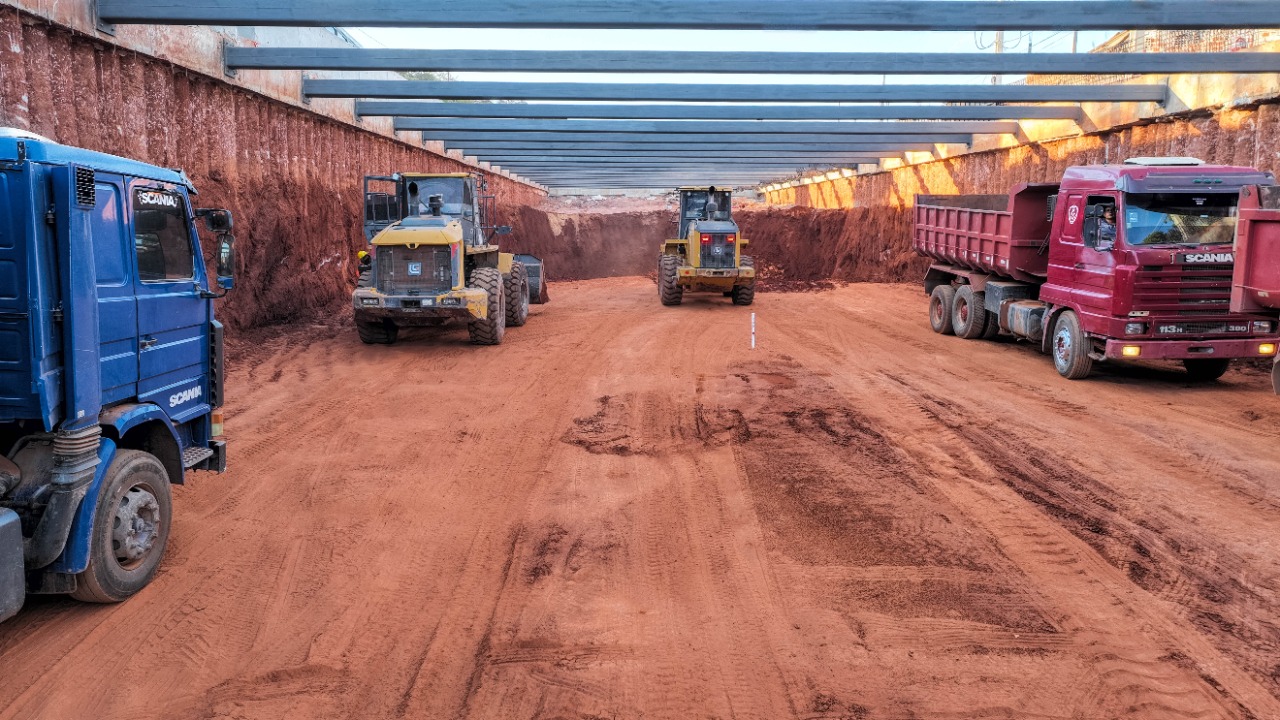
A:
[1206,369]
[130,529]
[516,287]
[1070,348]
[941,301]
[490,330]
[993,326]
[968,316]
[377,332]
[669,290]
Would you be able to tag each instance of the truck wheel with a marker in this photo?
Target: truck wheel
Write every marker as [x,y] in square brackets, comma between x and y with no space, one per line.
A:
[130,529]
[1070,348]
[1275,376]
[377,332]
[1206,369]
[490,330]
[516,287]
[993,326]
[669,290]
[968,316]
[940,303]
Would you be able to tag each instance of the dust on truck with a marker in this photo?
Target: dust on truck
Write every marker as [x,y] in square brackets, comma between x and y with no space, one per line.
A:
[1255,287]
[434,260]
[110,366]
[707,254]
[1045,264]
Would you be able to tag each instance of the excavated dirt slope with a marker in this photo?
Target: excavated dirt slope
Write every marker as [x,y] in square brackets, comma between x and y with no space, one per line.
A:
[633,516]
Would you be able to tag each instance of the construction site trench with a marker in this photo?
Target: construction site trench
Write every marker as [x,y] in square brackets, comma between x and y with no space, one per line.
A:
[812,508]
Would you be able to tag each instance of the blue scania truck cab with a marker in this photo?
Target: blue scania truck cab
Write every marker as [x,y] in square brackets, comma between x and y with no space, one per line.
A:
[111,367]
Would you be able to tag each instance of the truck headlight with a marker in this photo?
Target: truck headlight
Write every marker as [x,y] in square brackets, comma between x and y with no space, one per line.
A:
[1267,349]
[1131,351]
[1135,328]
[369,301]
[1263,327]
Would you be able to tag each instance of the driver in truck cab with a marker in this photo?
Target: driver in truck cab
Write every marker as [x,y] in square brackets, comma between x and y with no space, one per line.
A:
[1107,228]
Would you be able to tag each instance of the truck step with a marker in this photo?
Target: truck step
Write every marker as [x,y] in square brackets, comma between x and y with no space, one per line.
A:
[194,455]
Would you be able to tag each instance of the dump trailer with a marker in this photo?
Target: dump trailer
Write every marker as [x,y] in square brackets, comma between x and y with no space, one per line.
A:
[1255,287]
[111,368]
[1115,262]
[432,259]
[706,255]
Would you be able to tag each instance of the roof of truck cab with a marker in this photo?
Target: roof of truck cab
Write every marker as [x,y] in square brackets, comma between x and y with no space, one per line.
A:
[1135,178]
[43,150]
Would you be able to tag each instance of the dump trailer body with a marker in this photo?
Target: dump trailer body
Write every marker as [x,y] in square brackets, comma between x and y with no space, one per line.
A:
[1256,282]
[109,352]
[1041,260]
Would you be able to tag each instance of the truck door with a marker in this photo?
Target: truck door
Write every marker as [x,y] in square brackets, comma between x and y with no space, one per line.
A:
[15,322]
[117,303]
[1065,250]
[1096,268]
[173,318]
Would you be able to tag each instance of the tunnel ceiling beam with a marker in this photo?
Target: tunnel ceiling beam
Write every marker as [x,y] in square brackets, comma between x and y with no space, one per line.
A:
[531,139]
[961,15]
[678,92]
[558,111]
[692,157]
[610,148]
[756,63]
[671,127]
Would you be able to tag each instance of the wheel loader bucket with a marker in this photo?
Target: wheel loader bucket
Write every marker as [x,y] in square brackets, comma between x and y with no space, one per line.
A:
[537,278]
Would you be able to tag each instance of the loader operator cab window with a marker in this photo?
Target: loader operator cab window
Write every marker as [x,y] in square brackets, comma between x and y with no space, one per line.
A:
[162,236]
[450,191]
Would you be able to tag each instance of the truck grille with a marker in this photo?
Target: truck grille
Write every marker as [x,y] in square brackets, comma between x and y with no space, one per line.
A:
[718,253]
[1186,290]
[413,271]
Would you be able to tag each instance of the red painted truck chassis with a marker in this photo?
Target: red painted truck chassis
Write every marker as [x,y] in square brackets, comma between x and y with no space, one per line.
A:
[1115,262]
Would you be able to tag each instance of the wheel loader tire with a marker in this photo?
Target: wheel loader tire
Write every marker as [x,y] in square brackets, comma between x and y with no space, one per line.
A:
[669,290]
[745,294]
[968,316]
[516,288]
[1070,348]
[383,332]
[940,303]
[490,330]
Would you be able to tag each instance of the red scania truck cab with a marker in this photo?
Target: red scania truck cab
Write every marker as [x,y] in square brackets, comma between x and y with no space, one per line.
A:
[1114,262]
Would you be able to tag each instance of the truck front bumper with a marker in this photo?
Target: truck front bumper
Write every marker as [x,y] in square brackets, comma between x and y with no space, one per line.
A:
[1191,349]
[467,303]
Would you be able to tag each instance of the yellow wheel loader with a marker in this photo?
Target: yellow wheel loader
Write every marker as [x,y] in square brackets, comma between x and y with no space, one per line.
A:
[707,254]
[433,259]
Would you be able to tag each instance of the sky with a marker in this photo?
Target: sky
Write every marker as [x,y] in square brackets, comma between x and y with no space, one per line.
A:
[724,40]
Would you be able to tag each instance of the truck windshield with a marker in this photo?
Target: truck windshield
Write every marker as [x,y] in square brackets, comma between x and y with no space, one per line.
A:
[1180,219]
[449,189]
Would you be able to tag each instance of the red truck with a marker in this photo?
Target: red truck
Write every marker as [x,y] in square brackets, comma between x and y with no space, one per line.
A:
[1255,289]
[1115,262]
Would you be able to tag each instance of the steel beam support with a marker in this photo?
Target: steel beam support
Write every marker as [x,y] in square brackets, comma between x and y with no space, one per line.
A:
[755,63]
[557,111]
[614,148]
[754,94]
[698,157]
[532,139]
[671,127]
[725,14]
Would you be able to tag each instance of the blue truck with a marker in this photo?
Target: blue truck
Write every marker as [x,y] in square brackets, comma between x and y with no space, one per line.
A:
[111,365]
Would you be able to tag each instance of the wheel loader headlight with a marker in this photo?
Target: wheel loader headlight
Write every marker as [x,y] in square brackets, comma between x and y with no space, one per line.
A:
[367,302]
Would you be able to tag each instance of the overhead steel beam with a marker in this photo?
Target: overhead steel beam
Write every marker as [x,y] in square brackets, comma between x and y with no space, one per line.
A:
[719,14]
[755,63]
[669,127]
[559,111]
[678,164]
[755,94]
[713,160]
[692,157]
[614,147]
[531,139]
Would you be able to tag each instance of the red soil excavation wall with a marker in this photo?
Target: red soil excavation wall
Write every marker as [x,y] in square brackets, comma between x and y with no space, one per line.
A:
[292,178]
[862,225]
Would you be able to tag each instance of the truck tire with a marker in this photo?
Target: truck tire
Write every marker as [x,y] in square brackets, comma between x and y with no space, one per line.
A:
[669,290]
[130,529]
[968,316]
[517,293]
[993,326]
[1070,347]
[377,332]
[1206,369]
[490,330]
[941,301]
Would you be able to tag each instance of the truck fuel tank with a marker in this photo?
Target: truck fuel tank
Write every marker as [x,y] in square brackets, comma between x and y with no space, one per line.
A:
[1024,318]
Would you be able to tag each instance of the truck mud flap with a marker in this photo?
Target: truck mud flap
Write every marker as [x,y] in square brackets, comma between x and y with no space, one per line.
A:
[13,579]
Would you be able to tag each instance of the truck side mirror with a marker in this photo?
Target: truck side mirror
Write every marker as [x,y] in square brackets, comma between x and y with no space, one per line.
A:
[218,221]
[226,261]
